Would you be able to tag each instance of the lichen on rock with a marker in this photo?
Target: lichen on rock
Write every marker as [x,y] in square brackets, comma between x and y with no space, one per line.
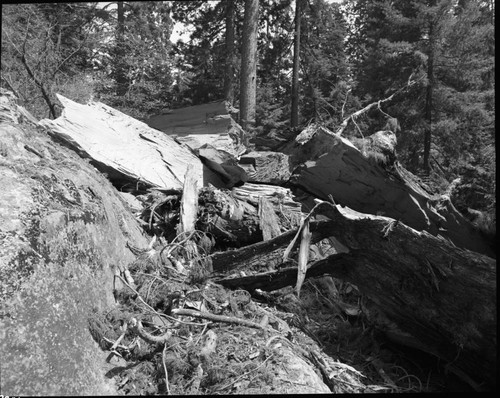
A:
[63,229]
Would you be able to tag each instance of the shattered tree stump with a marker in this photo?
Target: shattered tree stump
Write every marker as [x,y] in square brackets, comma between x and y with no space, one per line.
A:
[241,216]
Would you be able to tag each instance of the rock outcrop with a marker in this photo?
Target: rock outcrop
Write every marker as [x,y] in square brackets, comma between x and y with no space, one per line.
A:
[63,234]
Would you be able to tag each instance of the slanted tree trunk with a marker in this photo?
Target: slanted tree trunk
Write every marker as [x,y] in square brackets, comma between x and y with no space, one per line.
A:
[294,119]
[229,67]
[371,181]
[248,82]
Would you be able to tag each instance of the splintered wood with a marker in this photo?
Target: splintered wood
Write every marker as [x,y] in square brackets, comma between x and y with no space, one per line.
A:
[189,202]
[305,241]
[269,222]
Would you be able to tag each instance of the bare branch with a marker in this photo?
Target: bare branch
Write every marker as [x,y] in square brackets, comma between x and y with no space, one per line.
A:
[354,115]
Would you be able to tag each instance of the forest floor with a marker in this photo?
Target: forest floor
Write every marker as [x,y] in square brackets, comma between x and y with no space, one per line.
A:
[193,336]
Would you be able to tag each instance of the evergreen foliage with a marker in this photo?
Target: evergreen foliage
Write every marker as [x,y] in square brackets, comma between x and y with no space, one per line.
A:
[144,55]
[392,42]
[200,62]
[46,48]
[324,63]
[351,55]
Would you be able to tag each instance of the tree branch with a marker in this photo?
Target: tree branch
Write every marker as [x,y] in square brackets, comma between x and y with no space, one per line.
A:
[354,115]
[216,318]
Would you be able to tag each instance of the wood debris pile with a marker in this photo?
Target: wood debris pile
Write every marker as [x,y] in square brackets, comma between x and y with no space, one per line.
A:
[242,241]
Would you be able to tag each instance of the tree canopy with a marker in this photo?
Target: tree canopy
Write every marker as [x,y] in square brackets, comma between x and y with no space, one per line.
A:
[435,56]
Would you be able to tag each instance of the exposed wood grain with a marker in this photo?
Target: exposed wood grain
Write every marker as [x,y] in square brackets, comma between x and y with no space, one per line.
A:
[268,221]
[266,167]
[189,202]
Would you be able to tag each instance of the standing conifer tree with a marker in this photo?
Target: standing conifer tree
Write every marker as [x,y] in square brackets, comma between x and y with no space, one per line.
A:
[120,64]
[248,77]
[294,120]
[229,69]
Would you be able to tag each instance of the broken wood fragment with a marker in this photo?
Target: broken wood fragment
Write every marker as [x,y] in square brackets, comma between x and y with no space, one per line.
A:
[189,202]
[264,255]
[216,318]
[305,241]
[233,217]
[203,124]
[223,164]
[189,209]
[268,221]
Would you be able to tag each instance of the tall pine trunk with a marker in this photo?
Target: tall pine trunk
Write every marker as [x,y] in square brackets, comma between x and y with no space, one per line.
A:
[229,67]
[294,118]
[428,101]
[121,77]
[248,79]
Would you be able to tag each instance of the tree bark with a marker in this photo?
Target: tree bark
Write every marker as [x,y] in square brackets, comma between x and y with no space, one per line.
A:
[428,101]
[248,81]
[268,220]
[229,67]
[294,119]
[133,155]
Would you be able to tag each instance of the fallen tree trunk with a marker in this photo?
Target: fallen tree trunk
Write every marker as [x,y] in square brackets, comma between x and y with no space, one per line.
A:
[442,296]
[267,255]
[369,181]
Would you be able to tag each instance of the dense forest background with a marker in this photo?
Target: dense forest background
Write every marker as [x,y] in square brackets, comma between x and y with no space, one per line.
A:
[429,62]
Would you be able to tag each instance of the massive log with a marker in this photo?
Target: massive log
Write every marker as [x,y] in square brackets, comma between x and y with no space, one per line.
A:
[127,150]
[328,165]
[442,298]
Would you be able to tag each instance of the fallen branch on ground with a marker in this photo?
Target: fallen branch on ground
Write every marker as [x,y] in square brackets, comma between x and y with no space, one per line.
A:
[216,318]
